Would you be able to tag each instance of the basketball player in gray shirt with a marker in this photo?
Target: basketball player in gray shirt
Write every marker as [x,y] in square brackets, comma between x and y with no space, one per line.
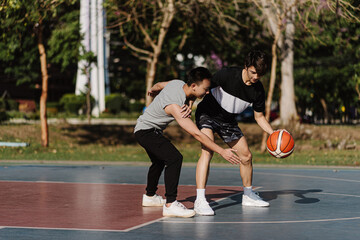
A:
[166,107]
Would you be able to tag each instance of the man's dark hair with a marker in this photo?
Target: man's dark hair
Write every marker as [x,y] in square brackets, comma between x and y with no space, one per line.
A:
[259,60]
[197,75]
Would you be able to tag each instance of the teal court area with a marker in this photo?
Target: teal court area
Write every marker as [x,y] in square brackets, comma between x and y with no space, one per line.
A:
[104,202]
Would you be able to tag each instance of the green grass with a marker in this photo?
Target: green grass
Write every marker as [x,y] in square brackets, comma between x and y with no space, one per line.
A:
[191,153]
[71,143]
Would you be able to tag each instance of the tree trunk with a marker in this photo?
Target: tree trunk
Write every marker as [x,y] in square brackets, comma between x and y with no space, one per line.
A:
[44,92]
[150,77]
[326,115]
[271,86]
[288,112]
[169,13]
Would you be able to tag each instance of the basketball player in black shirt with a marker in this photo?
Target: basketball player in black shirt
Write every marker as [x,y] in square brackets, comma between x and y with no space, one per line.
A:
[233,90]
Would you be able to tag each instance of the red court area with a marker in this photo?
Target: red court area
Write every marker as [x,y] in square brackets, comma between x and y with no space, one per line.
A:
[87,206]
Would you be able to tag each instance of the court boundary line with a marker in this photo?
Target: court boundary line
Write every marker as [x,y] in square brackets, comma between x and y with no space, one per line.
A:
[102,230]
[163,218]
[61,229]
[282,222]
[304,176]
[271,222]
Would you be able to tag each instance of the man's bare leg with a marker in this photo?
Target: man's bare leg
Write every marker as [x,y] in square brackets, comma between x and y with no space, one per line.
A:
[201,206]
[250,198]
[246,168]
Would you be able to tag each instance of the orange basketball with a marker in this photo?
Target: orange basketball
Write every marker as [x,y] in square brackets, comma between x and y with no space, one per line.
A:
[280,144]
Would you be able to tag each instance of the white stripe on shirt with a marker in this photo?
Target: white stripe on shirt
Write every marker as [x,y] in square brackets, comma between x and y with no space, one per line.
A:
[228,102]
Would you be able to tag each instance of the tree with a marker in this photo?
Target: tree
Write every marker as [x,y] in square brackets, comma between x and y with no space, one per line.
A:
[136,15]
[147,24]
[33,15]
[89,59]
[280,16]
[327,68]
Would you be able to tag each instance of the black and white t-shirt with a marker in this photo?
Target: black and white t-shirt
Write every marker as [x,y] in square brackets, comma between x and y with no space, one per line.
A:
[230,96]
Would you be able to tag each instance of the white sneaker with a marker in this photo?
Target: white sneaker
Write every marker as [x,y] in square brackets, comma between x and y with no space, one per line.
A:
[201,207]
[254,200]
[177,209]
[154,201]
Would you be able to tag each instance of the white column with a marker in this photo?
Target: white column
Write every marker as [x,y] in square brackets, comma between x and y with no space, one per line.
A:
[85,31]
[94,48]
[101,55]
[93,23]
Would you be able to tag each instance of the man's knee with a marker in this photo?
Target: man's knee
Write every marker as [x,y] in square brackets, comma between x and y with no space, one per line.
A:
[246,159]
[175,159]
[207,154]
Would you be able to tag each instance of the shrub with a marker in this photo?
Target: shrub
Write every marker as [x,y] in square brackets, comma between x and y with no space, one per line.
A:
[2,105]
[3,116]
[136,106]
[52,108]
[12,105]
[116,102]
[72,103]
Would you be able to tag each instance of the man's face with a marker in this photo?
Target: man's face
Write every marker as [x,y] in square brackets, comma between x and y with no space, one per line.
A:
[202,89]
[252,76]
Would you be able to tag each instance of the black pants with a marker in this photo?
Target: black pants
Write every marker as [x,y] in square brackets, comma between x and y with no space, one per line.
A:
[162,154]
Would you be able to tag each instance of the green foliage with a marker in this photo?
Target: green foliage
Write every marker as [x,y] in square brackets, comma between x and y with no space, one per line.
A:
[326,65]
[117,102]
[3,116]
[12,105]
[8,105]
[72,103]
[2,104]
[64,42]
[19,25]
[136,106]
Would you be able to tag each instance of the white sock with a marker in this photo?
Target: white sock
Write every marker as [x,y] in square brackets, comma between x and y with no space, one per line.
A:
[247,190]
[200,194]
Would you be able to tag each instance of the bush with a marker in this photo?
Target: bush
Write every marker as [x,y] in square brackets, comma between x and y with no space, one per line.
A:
[136,106]
[72,103]
[2,105]
[116,102]
[3,115]
[12,105]
[52,104]
[52,108]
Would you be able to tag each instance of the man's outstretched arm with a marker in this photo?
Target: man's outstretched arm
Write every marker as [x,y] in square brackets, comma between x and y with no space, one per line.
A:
[188,125]
[262,122]
[156,89]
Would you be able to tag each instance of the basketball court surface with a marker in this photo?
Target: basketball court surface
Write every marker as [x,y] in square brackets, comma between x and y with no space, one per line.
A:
[104,202]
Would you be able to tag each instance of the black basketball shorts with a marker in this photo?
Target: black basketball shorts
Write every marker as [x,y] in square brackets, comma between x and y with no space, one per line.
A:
[228,131]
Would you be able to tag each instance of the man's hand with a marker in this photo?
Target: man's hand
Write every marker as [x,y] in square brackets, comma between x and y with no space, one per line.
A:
[152,93]
[229,155]
[186,111]
[156,89]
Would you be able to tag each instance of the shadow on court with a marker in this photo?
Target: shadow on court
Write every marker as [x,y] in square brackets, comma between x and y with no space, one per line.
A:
[95,203]
[225,192]
[270,196]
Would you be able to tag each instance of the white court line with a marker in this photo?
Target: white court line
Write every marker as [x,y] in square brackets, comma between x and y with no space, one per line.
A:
[281,222]
[164,218]
[90,183]
[84,229]
[62,229]
[271,222]
[106,230]
[303,176]
[336,194]
[143,225]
